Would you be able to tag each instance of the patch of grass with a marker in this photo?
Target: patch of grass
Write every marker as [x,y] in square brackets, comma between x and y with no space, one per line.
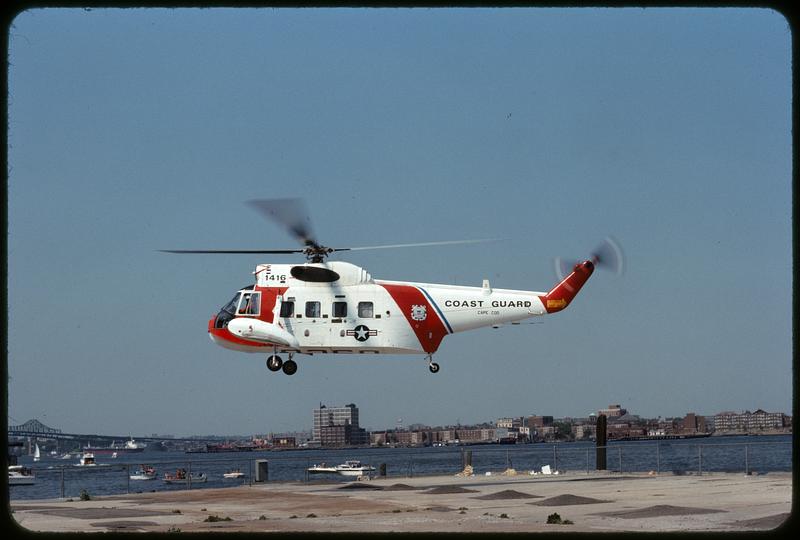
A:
[293,517]
[463,508]
[213,519]
[504,515]
[85,495]
[176,511]
[312,515]
[262,517]
[462,512]
[173,529]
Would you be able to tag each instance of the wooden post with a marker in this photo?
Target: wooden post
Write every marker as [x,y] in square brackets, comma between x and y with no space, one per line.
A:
[601,441]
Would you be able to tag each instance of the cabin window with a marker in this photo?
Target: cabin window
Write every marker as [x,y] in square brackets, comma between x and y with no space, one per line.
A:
[287,309]
[365,310]
[249,304]
[312,309]
[339,309]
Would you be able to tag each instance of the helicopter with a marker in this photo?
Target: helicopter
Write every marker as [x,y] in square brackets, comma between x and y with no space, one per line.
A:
[335,307]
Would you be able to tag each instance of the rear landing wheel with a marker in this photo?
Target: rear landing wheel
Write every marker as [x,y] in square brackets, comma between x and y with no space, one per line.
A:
[290,367]
[274,363]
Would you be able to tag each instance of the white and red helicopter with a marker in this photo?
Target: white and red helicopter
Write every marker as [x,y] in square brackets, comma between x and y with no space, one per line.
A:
[337,307]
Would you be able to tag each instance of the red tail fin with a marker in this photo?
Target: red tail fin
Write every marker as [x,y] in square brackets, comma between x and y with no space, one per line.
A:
[563,293]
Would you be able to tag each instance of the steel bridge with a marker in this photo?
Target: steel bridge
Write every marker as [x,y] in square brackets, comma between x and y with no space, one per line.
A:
[34,429]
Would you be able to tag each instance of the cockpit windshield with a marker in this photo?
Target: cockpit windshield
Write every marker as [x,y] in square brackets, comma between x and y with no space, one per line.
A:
[228,311]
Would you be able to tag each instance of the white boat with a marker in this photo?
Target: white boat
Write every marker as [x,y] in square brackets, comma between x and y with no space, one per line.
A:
[132,445]
[234,473]
[19,475]
[144,472]
[114,455]
[87,460]
[353,468]
[37,455]
[322,468]
[181,477]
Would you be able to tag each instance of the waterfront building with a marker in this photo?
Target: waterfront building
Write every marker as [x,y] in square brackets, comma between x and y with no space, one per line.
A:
[409,438]
[475,435]
[342,435]
[612,411]
[338,426]
[539,421]
[509,422]
[584,431]
[748,421]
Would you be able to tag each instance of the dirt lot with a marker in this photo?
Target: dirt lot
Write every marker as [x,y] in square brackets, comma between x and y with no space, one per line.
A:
[714,502]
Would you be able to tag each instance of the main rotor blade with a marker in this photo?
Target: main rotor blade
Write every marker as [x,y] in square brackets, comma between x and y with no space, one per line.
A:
[290,213]
[232,251]
[418,244]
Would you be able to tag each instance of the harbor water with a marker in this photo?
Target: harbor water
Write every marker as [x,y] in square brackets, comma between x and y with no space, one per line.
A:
[750,455]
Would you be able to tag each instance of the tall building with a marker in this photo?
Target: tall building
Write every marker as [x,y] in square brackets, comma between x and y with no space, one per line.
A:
[338,426]
[613,410]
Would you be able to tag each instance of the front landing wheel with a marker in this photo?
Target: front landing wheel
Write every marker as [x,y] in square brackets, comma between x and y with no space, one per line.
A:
[434,367]
[274,363]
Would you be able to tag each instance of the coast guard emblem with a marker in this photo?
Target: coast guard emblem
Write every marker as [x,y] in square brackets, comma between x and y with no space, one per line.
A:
[419,313]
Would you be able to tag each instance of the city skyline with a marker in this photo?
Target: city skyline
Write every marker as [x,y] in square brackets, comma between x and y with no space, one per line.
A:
[408,425]
[138,130]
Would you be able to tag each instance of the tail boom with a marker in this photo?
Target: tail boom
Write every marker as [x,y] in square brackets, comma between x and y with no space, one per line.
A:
[563,293]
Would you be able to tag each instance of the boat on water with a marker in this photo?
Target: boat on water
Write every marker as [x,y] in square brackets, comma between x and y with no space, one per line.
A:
[87,460]
[130,446]
[182,477]
[19,475]
[233,473]
[144,472]
[348,468]
[353,468]
[37,454]
[321,468]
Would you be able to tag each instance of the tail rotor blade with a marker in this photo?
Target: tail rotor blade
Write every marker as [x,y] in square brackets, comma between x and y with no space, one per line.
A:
[609,256]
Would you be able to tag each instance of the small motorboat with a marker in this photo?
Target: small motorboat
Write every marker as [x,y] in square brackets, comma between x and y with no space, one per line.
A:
[353,468]
[322,468]
[144,472]
[182,477]
[19,475]
[87,460]
[233,473]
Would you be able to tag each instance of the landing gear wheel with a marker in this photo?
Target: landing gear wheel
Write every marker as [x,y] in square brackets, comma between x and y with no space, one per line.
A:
[290,367]
[434,367]
[274,363]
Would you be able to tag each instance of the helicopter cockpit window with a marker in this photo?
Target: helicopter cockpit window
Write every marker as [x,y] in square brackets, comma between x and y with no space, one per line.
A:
[365,310]
[250,303]
[312,309]
[227,312]
[287,308]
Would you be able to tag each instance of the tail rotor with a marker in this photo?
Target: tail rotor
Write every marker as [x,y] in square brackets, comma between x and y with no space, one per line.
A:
[608,256]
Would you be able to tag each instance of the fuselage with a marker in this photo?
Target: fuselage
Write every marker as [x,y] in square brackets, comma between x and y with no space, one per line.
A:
[337,307]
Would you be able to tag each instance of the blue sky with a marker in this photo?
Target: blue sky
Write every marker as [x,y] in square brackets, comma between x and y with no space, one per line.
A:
[137,130]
